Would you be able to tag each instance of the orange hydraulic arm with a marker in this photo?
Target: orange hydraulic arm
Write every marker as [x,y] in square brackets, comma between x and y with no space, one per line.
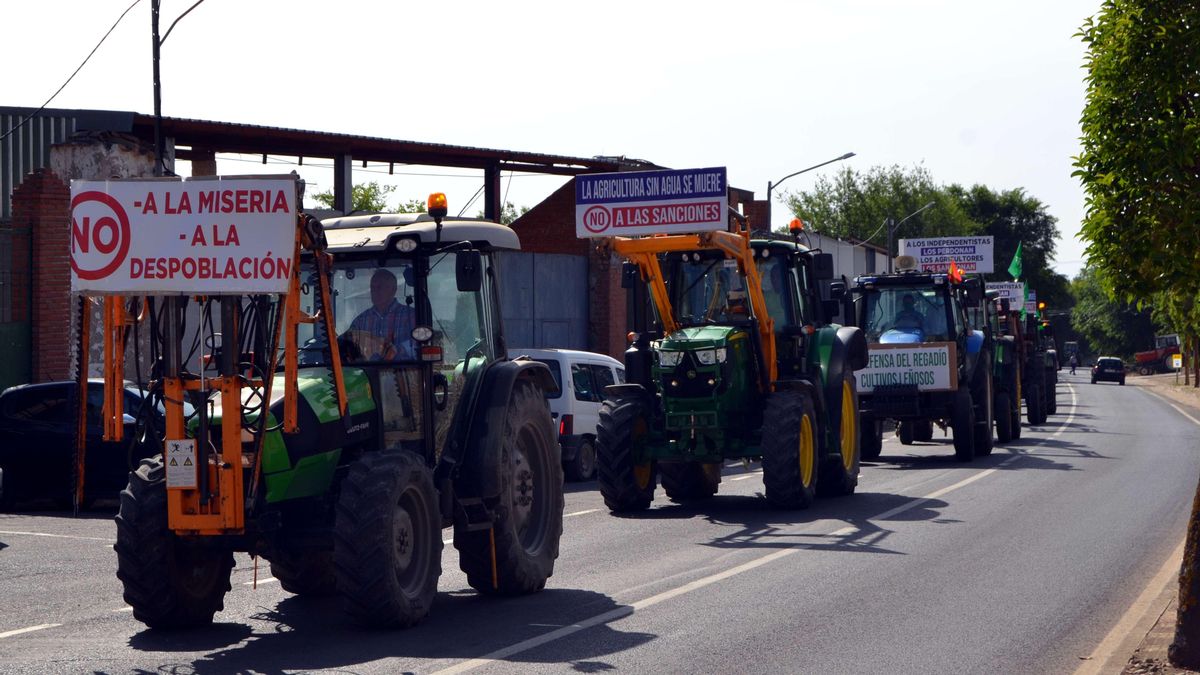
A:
[736,246]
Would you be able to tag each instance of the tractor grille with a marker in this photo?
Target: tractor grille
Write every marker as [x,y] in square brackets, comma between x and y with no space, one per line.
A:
[689,380]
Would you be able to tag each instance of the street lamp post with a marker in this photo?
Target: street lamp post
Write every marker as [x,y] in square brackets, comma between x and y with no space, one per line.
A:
[156,47]
[892,227]
[771,186]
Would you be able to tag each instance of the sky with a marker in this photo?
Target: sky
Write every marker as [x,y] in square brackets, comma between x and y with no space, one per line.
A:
[975,92]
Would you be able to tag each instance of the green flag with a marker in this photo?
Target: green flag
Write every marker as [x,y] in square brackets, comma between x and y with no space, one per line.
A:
[1014,267]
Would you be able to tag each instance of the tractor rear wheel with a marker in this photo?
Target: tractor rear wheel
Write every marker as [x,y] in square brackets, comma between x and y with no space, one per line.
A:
[1035,405]
[872,438]
[1002,410]
[527,523]
[839,473]
[689,481]
[962,423]
[387,547]
[304,572]
[1052,400]
[169,582]
[625,484]
[790,432]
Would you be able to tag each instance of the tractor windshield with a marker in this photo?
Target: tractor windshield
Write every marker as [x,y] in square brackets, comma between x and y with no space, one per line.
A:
[705,288]
[913,310]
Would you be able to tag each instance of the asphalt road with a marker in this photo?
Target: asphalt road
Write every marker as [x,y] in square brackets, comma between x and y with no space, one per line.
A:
[1020,562]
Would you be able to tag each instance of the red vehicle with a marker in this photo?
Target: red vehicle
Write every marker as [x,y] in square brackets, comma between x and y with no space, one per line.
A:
[1157,360]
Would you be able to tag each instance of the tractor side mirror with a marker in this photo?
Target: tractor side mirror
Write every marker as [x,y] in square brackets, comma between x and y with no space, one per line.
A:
[468,271]
[823,266]
[629,275]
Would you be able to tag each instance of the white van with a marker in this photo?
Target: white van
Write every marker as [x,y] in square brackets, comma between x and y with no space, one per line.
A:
[576,408]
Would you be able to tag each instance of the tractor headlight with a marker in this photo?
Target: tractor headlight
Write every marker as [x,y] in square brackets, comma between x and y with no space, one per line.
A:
[406,244]
[706,357]
[669,359]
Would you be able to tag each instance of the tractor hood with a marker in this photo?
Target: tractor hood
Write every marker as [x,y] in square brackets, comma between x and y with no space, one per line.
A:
[699,337]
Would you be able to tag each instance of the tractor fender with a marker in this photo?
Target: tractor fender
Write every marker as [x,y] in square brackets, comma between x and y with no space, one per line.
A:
[848,354]
[974,346]
[478,475]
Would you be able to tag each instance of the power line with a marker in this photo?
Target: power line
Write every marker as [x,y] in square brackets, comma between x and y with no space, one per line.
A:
[64,84]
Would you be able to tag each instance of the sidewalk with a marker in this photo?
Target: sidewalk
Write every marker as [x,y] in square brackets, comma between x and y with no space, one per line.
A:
[1150,656]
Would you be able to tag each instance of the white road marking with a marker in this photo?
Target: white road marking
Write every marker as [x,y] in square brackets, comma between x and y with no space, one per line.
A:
[266,580]
[30,629]
[580,513]
[123,609]
[58,536]
[626,610]
[755,474]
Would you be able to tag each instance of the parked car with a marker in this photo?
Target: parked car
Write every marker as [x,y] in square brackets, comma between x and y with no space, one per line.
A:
[1109,369]
[576,408]
[37,444]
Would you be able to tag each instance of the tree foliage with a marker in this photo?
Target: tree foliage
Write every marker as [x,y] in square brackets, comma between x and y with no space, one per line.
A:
[369,197]
[509,213]
[1111,326]
[854,205]
[1140,163]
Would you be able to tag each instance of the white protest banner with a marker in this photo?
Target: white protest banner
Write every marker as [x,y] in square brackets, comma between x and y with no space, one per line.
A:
[931,366]
[201,237]
[971,254]
[634,203]
[1013,291]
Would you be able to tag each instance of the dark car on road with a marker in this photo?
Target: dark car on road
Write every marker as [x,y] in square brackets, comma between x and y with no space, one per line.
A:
[1108,369]
[37,444]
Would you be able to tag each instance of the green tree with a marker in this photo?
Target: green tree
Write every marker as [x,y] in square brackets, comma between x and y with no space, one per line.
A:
[1140,166]
[1012,217]
[1111,326]
[413,206]
[854,205]
[370,197]
[509,213]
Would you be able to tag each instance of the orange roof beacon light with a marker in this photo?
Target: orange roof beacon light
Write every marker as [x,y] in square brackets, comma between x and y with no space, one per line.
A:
[437,208]
[796,225]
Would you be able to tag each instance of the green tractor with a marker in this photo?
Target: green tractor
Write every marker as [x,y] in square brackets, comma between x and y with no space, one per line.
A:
[389,412]
[742,364]
[1006,365]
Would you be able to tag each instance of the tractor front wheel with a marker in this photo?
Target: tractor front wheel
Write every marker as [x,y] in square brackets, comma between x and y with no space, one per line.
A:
[962,423]
[1002,410]
[304,572]
[527,523]
[387,547]
[904,431]
[839,473]
[985,414]
[625,483]
[168,581]
[689,481]
[790,465]
[872,438]
[923,431]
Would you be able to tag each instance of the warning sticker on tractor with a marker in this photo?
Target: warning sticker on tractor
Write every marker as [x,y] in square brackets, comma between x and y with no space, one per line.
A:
[931,367]
[181,463]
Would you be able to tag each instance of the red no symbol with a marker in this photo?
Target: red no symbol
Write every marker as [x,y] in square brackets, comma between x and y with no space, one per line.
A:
[597,219]
[99,235]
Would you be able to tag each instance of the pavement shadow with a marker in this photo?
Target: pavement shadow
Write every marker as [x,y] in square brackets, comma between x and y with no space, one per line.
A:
[767,528]
[311,634]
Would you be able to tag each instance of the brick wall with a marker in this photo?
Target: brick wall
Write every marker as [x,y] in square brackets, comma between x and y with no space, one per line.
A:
[758,212]
[41,204]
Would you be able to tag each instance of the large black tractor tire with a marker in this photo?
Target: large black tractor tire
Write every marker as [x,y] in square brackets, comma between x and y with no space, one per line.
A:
[387,540]
[1002,410]
[169,582]
[904,431]
[527,524]
[689,481]
[985,415]
[923,431]
[1052,399]
[10,497]
[962,424]
[1035,405]
[790,450]
[304,572]
[624,484]
[839,471]
[872,438]
[583,466]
